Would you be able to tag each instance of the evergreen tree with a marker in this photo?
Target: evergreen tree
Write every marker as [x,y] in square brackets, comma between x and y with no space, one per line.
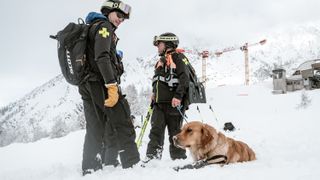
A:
[305,100]
[133,99]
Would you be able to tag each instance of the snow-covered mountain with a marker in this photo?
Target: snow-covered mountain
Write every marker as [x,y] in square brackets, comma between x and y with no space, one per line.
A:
[286,48]
[55,108]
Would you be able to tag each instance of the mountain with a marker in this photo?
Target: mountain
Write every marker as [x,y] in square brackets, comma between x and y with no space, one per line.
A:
[55,108]
[286,48]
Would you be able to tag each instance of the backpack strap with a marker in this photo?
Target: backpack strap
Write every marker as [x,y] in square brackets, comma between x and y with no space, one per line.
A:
[192,72]
[96,24]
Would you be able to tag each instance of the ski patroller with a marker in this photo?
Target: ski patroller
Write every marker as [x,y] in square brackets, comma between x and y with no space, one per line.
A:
[144,126]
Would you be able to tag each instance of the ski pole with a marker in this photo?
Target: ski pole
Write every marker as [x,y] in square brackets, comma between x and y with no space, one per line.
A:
[214,114]
[200,114]
[144,126]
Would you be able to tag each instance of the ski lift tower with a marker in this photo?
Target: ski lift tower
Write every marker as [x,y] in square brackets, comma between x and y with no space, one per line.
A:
[205,55]
[243,48]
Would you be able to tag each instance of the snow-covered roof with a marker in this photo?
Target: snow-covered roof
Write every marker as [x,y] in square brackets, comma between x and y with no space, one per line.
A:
[295,77]
[307,64]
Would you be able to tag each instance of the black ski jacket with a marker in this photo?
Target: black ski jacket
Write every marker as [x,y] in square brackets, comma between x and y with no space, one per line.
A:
[162,91]
[105,65]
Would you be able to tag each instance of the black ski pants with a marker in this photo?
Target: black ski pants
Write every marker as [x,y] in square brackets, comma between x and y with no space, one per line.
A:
[164,115]
[109,131]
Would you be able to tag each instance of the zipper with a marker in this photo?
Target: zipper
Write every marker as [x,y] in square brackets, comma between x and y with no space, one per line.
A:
[157,89]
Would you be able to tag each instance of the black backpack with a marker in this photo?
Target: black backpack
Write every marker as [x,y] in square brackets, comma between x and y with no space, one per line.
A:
[72,45]
[196,90]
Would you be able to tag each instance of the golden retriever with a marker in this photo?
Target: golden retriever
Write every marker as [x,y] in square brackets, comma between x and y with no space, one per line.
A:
[205,142]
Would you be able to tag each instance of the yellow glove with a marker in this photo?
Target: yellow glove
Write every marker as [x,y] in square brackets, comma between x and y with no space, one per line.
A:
[113,95]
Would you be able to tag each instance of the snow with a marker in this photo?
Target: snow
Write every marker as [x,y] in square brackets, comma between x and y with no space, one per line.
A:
[283,135]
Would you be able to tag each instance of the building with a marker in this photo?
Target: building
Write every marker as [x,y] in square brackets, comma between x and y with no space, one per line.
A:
[307,76]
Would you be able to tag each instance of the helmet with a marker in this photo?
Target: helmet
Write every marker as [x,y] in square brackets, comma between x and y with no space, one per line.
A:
[116,5]
[169,39]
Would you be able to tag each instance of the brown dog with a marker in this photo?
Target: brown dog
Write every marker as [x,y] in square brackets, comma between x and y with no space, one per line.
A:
[205,142]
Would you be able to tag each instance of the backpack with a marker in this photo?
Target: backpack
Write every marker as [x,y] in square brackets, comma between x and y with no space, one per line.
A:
[196,91]
[228,126]
[72,45]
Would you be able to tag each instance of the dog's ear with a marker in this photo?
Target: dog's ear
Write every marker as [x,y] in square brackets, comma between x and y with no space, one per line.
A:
[206,137]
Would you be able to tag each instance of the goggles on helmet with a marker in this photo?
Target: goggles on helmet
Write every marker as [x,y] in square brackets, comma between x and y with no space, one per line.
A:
[157,39]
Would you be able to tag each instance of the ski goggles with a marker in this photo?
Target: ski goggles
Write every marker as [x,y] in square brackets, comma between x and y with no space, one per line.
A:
[125,8]
[120,15]
[157,39]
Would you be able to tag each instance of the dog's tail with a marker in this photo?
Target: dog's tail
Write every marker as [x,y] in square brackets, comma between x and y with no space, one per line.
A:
[252,155]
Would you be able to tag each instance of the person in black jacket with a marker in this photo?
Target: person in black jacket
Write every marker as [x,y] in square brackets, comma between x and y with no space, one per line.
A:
[109,131]
[170,84]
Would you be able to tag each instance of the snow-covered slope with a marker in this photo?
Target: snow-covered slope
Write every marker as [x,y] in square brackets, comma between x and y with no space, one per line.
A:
[52,109]
[283,136]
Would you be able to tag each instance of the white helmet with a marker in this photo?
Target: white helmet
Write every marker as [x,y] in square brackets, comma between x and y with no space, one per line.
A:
[116,5]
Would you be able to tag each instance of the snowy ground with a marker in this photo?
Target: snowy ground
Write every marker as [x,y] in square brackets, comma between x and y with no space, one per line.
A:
[283,136]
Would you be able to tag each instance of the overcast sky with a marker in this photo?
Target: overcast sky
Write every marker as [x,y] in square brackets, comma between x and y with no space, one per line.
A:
[29,57]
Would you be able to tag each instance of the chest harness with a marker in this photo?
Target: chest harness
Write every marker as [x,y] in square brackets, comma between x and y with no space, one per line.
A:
[170,76]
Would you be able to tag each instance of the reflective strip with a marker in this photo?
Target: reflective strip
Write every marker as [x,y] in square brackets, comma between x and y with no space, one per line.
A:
[108,4]
[157,96]
[170,83]
[166,38]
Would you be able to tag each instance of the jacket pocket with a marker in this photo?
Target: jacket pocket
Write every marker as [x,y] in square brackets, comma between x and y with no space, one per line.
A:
[163,93]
